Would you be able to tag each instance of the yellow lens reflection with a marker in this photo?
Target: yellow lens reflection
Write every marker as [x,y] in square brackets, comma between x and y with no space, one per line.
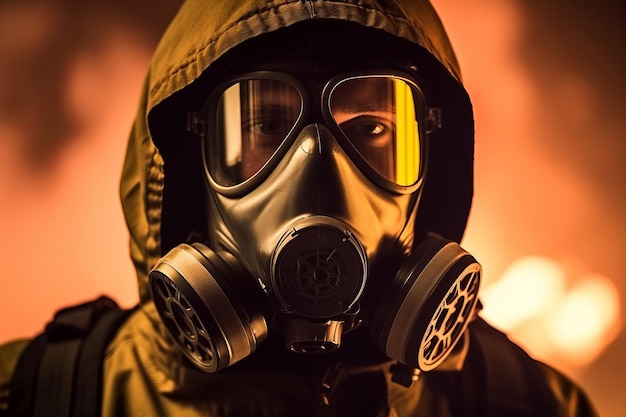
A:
[407,140]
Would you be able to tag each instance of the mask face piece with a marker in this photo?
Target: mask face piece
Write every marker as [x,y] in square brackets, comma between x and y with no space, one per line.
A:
[309,233]
[314,183]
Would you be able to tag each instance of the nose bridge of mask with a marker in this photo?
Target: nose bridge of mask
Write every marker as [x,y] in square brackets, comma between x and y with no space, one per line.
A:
[319,171]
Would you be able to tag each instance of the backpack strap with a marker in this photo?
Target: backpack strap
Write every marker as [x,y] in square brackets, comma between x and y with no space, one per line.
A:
[513,383]
[60,372]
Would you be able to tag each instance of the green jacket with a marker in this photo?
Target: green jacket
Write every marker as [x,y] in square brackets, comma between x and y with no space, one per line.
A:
[144,374]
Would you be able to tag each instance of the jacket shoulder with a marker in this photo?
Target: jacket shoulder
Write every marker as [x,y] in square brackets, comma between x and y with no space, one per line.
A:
[572,400]
[515,382]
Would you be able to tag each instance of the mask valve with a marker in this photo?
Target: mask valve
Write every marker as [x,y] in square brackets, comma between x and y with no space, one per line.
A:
[319,271]
[303,336]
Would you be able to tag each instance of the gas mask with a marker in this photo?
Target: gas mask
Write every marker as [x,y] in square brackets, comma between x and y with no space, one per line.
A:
[314,183]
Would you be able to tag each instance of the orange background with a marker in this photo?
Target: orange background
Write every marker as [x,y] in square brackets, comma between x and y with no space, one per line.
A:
[547,84]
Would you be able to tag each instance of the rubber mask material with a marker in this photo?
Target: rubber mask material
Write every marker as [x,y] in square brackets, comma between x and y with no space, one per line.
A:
[305,202]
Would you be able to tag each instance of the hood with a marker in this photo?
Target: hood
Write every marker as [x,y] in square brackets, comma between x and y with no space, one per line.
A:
[162,180]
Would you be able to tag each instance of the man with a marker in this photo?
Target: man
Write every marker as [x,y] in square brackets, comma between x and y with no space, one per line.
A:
[296,184]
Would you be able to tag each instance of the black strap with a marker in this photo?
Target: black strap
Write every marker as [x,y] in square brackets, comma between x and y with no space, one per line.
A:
[60,372]
[514,385]
[24,379]
[89,394]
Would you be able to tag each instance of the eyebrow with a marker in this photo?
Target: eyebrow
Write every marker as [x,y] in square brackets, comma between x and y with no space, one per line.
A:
[367,107]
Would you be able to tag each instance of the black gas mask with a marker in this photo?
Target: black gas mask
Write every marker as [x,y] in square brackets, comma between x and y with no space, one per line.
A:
[314,180]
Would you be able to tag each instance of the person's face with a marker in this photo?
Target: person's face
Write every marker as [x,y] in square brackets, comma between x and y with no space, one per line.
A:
[364,109]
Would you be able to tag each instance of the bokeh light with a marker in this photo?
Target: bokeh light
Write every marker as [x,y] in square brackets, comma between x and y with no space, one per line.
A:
[586,321]
[526,289]
[565,319]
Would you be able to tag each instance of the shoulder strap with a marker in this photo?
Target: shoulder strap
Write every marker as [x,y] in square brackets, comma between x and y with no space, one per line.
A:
[514,385]
[60,372]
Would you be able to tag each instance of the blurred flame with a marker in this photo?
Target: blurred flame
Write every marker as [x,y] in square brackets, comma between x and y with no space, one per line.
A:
[587,319]
[572,324]
[526,289]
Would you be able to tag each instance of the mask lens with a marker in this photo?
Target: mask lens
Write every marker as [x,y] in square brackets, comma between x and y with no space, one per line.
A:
[253,118]
[379,116]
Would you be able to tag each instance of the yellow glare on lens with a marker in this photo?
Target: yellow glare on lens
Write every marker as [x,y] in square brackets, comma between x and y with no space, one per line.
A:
[232,125]
[407,140]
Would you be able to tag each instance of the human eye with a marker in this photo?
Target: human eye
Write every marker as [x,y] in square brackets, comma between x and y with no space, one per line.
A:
[368,130]
[266,127]
[270,125]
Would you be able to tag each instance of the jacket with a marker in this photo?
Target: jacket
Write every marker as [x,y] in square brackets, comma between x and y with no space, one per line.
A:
[144,374]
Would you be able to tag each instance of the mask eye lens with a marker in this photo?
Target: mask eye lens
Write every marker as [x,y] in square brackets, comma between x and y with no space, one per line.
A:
[379,117]
[251,119]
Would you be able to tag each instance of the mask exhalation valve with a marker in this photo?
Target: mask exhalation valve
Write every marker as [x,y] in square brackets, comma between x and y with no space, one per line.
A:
[319,271]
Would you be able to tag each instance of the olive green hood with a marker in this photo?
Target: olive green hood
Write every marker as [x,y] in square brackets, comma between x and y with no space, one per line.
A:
[162,171]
